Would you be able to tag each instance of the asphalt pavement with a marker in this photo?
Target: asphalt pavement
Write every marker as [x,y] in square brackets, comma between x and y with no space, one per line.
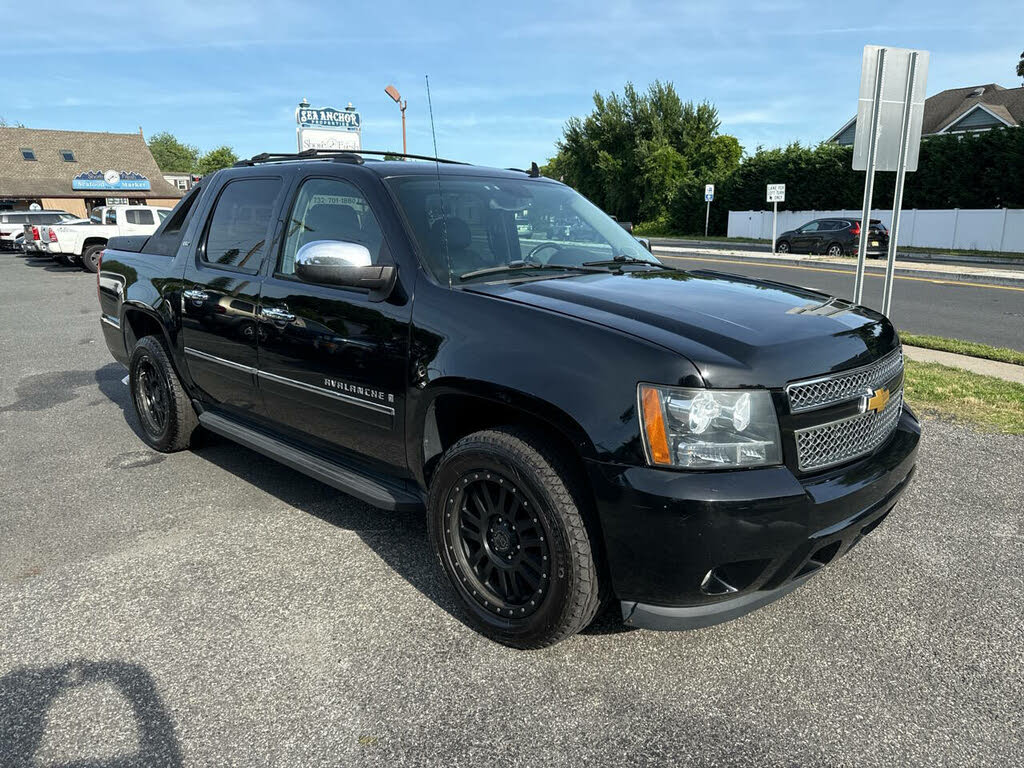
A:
[695,244]
[991,314]
[212,607]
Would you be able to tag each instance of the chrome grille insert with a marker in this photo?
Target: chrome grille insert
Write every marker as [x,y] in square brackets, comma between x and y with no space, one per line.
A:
[846,385]
[826,445]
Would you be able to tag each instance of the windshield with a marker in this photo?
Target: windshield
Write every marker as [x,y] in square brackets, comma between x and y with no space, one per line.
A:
[482,225]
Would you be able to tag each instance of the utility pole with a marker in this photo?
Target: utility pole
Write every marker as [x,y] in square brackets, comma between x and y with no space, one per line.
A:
[397,98]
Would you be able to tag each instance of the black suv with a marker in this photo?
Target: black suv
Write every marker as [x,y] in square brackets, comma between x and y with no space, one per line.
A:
[834,237]
[580,422]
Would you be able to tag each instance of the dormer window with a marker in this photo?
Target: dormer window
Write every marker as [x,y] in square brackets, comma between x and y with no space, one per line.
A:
[28,154]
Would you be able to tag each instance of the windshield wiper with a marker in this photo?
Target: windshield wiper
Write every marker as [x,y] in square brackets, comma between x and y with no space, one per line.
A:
[623,259]
[514,266]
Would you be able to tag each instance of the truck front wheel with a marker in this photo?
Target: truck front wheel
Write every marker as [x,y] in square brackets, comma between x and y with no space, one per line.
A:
[164,410]
[91,257]
[506,523]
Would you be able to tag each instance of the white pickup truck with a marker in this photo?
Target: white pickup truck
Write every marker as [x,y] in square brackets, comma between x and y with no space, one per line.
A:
[84,242]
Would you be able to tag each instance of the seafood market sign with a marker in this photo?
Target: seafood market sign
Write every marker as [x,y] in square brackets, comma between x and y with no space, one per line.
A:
[111,179]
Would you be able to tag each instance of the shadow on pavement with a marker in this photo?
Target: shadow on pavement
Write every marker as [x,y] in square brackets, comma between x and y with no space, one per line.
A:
[49,265]
[398,538]
[27,695]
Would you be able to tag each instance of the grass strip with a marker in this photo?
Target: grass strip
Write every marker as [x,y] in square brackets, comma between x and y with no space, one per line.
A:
[961,347]
[983,401]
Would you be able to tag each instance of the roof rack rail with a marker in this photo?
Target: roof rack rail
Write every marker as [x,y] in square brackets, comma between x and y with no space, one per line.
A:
[340,156]
[533,173]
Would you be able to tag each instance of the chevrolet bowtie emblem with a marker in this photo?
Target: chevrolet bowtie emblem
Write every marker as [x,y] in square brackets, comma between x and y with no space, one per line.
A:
[877,400]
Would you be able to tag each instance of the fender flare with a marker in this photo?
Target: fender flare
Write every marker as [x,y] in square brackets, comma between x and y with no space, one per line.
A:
[422,411]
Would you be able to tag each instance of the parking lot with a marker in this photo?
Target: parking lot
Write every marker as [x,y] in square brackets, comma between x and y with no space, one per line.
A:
[214,608]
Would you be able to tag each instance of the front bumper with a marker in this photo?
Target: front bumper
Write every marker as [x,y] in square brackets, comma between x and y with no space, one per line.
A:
[692,549]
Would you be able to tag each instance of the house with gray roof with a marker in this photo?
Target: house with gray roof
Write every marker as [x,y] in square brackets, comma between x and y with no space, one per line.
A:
[960,110]
[76,171]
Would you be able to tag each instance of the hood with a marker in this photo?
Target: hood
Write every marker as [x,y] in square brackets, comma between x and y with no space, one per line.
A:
[737,331]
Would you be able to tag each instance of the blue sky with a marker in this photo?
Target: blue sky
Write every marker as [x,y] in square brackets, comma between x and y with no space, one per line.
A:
[504,76]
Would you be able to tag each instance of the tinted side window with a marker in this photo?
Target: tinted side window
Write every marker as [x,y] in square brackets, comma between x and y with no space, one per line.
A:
[166,240]
[139,216]
[236,235]
[330,209]
[111,217]
[17,218]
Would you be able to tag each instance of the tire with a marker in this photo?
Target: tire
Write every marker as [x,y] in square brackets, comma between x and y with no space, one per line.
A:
[834,249]
[164,410]
[91,257]
[782,247]
[529,572]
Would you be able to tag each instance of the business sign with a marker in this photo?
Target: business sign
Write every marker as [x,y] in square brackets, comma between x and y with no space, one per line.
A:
[119,180]
[328,128]
[709,192]
[776,193]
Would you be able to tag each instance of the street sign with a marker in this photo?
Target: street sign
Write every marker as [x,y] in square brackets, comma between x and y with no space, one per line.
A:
[709,195]
[776,194]
[888,138]
[893,68]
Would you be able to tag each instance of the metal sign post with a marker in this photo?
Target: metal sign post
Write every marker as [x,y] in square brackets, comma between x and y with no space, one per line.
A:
[776,194]
[897,197]
[869,181]
[709,195]
[891,105]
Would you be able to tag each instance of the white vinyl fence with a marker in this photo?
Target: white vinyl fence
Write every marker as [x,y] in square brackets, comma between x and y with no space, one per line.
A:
[997,229]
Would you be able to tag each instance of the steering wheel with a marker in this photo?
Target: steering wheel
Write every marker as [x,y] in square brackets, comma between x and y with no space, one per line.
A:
[531,257]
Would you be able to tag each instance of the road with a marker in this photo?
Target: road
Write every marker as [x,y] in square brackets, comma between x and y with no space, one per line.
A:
[990,314]
[755,248]
[212,607]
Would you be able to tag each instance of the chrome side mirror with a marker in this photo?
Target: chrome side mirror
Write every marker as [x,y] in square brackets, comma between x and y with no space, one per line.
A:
[332,253]
[335,262]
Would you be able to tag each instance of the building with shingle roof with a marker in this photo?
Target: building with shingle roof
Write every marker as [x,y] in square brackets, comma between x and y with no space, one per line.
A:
[960,110]
[75,171]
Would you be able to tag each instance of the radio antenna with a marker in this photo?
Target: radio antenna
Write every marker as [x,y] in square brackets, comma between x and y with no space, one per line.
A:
[440,196]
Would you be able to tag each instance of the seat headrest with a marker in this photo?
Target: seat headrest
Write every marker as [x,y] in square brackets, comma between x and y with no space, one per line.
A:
[331,222]
[453,230]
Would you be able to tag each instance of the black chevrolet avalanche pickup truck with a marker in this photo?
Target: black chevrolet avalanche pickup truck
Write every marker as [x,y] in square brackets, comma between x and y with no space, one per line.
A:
[581,422]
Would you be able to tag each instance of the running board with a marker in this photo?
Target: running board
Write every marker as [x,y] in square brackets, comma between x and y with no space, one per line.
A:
[349,481]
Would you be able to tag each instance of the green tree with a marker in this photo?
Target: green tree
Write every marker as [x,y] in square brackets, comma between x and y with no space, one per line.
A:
[215,159]
[172,155]
[1020,66]
[643,155]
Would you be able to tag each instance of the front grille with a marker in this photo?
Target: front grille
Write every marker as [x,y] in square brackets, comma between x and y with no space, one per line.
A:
[825,445]
[847,385]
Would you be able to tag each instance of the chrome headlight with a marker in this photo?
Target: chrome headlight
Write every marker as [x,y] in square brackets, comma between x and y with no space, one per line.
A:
[708,428]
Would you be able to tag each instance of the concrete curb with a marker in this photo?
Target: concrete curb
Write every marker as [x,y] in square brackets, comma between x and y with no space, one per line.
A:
[972,275]
[1005,371]
[923,258]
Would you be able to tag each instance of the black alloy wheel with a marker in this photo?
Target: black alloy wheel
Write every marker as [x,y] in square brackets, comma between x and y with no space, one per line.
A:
[511,522]
[152,397]
[498,544]
[163,407]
